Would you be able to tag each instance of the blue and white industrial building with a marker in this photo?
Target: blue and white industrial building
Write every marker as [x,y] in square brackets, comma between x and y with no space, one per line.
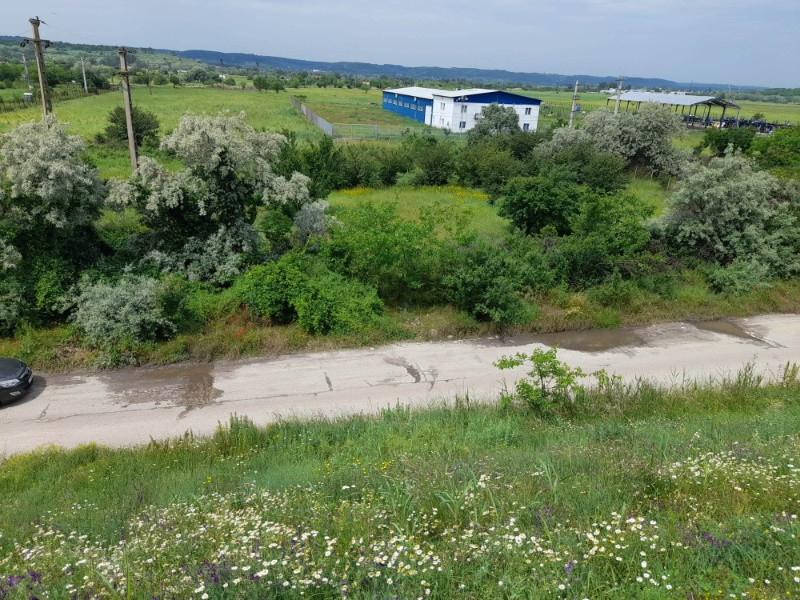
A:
[458,110]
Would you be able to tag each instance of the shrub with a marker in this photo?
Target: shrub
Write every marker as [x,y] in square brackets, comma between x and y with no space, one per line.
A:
[644,137]
[533,203]
[727,210]
[122,312]
[616,292]
[298,287]
[487,282]
[145,125]
[719,140]
[740,277]
[553,386]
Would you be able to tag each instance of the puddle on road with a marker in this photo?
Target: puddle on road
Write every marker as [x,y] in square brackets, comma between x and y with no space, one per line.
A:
[600,340]
[189,386]
[728,328]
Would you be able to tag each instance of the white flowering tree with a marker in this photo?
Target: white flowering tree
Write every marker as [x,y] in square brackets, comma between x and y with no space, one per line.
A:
[202,215]
[644,138]
[45,186]
[49,199]
[728,211]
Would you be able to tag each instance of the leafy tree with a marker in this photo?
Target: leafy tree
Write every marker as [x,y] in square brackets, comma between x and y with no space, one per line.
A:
[126,312]
[400,258]
[644,138]
[486,165]
[261,83]
[575,150]
[207,209]
[533,203]
[727,210]
[9,73]
[739,138]
[779,151]
[553,384]
[49,200]
[433,159]
[487,280]
[496,120]
[197,74]
[145,124]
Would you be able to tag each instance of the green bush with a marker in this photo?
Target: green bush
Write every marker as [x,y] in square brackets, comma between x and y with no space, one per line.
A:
[126,312]
[615,292]
[487,282]
[740,138]
[740,277]
[300,288]
[533,203]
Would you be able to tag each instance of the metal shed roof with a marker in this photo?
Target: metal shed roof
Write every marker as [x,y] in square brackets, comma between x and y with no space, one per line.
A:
[672,99]
[429,93]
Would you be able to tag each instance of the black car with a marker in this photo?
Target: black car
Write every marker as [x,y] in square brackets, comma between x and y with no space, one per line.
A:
[15,379]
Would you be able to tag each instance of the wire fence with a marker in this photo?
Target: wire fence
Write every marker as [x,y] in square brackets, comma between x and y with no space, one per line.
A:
[20,103]
[376,131]
[325,126]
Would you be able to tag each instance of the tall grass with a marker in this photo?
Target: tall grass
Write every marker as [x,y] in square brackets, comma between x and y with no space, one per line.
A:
[642,493]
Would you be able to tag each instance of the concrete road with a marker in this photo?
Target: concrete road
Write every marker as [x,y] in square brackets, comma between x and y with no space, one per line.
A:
[131,406]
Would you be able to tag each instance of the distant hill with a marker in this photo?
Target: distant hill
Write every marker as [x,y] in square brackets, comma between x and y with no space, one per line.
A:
[232,59]
[155,58]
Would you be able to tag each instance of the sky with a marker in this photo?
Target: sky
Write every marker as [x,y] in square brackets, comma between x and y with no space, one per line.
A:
[738,42]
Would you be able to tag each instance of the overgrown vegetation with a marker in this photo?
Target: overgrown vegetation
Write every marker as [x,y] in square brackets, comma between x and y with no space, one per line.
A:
[238,221]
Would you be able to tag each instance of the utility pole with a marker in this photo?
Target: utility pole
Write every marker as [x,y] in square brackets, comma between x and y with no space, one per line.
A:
[27,75]
[83,70]
[47,106]
[620,81]
[574,104]
[126,95]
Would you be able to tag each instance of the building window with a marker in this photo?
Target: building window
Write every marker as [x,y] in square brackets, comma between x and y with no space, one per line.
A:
[526,126]
[462,125]
[528,110]
[405,104]
[413,107]
[441,105]
[463,108]
[419,107]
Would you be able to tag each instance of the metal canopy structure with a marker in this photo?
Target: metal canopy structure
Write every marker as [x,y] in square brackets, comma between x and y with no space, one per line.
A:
[679,101]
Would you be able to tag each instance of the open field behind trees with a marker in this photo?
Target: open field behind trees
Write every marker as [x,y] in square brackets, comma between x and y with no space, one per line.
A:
[593,100]
[627,492]
[87,116]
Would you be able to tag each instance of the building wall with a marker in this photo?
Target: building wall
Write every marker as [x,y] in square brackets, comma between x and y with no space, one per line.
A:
[406,106]
[463,116]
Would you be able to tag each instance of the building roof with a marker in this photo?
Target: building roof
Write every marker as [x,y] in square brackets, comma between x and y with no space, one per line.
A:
[459,95]
[673,99]
[417,92]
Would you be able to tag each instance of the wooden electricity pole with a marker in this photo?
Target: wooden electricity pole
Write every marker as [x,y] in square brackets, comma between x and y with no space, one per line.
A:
[574,104]
[126,95]
[47,106]
[83,70]
[619,93]
[25,70]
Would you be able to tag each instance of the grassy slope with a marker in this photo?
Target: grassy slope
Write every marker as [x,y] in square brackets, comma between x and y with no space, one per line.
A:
[697,490]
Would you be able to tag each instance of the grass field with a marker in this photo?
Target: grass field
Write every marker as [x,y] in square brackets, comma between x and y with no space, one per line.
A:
[631,493]
[87,116]
[409,200]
